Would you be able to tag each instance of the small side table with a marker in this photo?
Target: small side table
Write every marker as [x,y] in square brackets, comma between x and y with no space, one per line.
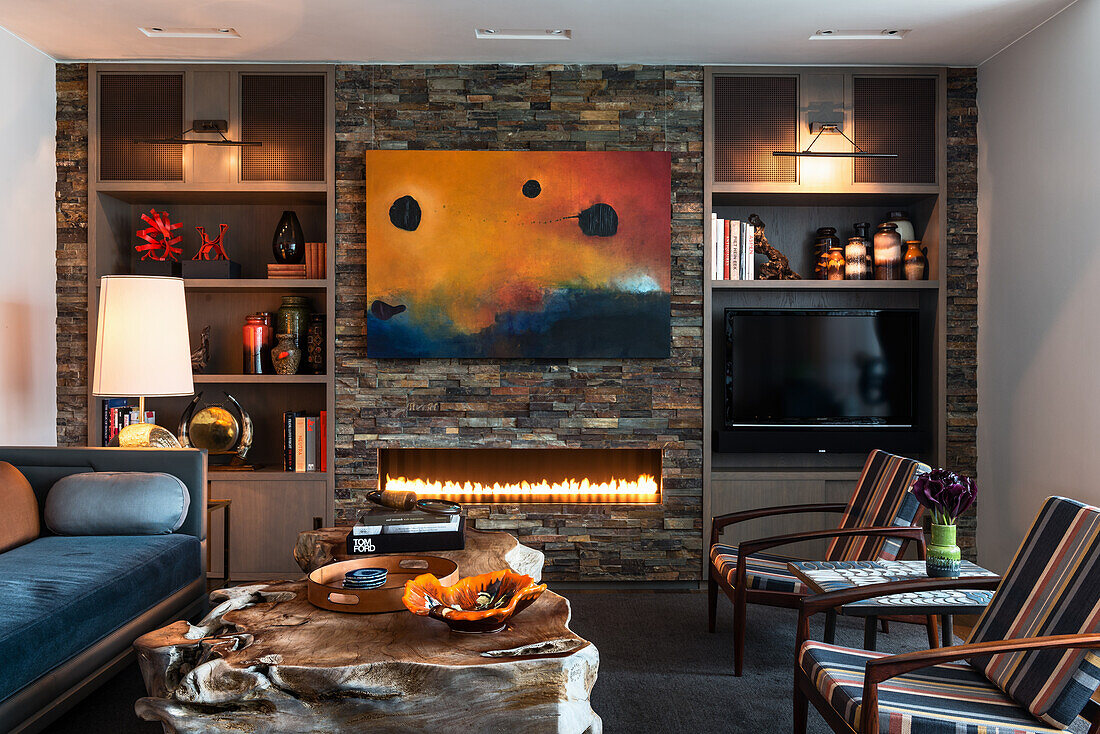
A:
[212,505]
[825,576]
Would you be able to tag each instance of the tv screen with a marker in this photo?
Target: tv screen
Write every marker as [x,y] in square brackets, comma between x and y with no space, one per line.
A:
[821,367]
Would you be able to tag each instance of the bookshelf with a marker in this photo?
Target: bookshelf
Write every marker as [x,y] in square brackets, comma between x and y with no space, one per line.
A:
[270,506]
[748,113]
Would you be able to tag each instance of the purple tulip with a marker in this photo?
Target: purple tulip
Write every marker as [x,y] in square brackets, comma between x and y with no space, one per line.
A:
[945,493]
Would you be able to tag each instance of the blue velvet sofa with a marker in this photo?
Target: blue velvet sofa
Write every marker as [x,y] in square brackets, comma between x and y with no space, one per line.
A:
[71,607]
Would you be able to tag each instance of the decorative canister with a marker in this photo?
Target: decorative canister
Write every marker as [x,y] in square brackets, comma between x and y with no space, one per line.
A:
[857,263]
[916,261]
[887,252]
[257,345]
[905,227]
[315,341]
[286,356]
[293,318]
[289,243]
[825,240]
[943,557]
[834,263]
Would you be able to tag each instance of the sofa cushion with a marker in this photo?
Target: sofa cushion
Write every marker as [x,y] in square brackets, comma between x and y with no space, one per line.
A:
[61,594]
[19,520]
[117,503]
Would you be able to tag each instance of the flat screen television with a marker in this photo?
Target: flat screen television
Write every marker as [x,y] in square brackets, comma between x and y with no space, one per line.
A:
[804,370]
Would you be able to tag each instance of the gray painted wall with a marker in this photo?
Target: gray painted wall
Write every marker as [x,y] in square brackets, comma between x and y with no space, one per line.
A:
[28,237]
[1039,281]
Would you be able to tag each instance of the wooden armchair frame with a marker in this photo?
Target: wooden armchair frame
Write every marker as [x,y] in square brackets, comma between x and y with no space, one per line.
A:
[741,597]
[883,669]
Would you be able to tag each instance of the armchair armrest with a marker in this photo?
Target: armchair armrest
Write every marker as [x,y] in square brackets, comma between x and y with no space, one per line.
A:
[885,668]
[811,605]
[911,532]
[748,547]
[720,521]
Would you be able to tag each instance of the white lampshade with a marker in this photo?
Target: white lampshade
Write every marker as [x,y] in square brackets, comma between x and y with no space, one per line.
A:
[142,347]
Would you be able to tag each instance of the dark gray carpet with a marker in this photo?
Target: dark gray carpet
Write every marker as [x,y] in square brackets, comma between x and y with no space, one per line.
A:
[660,671]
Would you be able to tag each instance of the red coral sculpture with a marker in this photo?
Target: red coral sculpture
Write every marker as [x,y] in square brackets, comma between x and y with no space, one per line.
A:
[211,249]
[158,236]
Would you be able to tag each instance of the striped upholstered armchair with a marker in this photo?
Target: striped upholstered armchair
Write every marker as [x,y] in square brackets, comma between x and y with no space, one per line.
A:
[1033,662]
[877,522]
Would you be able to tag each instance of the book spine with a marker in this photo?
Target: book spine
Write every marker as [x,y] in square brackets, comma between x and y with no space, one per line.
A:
[300,443]
[322,442]
[106,423]
[713,246]
[114,425]
[311,443]
[735,250]
[726,254]
[323,266]
[750,252]
[288,441]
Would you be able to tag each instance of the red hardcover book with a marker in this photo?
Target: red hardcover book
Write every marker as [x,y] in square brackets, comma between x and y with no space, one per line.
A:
[322,444]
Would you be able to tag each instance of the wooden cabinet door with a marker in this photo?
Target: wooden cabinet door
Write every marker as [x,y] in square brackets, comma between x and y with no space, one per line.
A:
[266,517]
[733,493]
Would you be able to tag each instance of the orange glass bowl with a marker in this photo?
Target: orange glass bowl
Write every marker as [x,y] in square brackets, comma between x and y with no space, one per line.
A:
[474,604]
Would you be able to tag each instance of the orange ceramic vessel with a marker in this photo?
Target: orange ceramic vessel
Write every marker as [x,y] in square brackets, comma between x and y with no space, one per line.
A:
[482,603]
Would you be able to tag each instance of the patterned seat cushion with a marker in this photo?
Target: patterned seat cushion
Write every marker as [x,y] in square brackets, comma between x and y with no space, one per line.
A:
[763,571]
[1051,588]
[942,699]
[881,499]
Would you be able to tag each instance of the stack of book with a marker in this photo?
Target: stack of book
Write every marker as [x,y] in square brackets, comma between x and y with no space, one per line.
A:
[284,270]
[315,260]
[405,532]
[304,441]
[118,413]
[733,250]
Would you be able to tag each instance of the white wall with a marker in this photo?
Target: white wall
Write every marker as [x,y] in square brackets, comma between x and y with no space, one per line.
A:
[1039,277]
[28,384]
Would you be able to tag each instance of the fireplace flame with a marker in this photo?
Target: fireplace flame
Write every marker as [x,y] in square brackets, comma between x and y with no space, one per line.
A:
[642,489]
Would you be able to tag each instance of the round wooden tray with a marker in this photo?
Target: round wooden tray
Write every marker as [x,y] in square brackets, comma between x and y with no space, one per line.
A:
[326,584]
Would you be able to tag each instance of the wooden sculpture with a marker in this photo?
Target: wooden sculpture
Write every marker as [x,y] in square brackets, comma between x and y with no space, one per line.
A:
[777,267]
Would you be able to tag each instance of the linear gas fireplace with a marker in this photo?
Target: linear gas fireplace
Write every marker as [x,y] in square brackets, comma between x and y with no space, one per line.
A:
[619,476]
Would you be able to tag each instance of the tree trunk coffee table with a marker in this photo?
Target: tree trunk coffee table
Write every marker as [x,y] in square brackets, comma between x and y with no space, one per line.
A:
[265,659]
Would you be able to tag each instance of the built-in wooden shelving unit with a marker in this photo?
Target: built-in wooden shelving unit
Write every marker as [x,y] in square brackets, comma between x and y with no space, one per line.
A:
[248,189]
[751,111]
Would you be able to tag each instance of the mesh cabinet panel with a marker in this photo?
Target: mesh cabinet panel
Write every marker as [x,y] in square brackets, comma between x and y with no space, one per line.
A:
[895,115]
[140,106]
[285,112]
[753,116]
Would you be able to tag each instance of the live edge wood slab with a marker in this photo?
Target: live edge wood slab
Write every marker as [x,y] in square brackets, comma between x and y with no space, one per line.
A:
[266,660]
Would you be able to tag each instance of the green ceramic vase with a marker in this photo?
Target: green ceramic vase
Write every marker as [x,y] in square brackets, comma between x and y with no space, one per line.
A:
[944,557]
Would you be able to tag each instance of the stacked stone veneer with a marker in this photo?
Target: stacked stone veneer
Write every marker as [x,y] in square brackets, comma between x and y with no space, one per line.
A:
[529,403]
[524,403]
[962,284]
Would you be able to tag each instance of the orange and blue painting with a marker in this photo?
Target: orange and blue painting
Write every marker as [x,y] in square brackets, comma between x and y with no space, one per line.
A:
[518,254]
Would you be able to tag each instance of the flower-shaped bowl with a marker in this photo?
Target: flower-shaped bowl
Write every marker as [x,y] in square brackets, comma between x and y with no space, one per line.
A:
[474,604]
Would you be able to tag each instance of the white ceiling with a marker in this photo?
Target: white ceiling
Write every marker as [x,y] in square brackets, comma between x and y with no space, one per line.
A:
[947,32]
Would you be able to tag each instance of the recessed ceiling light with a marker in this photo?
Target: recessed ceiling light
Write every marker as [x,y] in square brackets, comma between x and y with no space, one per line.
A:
[164,32]
[832,34]
[524,34]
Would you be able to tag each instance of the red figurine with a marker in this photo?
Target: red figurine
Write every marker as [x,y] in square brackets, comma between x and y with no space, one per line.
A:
[159,235]
[211,249]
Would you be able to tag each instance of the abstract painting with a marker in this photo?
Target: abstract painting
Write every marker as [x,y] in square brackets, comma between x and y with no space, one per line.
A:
[518,254]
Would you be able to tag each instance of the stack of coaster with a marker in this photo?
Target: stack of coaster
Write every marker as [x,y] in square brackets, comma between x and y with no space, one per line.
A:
[365,578]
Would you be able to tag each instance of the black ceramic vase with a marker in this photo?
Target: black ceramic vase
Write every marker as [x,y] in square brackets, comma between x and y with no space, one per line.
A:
[289,244]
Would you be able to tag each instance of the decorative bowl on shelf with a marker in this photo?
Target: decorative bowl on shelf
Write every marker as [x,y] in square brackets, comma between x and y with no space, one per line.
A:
[474,604]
